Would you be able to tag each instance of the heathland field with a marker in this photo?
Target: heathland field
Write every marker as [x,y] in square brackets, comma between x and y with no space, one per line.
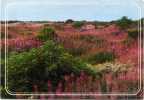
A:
[83,57]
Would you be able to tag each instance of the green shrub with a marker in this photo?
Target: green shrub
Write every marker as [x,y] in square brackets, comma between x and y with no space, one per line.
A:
[78,24]
[124,22]
[46,33]
[49,62]
[69,21]
[101,57]
[133,34]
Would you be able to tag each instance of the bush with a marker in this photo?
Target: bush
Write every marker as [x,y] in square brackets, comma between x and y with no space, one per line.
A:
[124,22]
[69,21]
[102,57]
[133,34]
[46,33]
[78,24]
[49,62]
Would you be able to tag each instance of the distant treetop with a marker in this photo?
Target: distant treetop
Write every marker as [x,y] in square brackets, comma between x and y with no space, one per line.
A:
[69,21]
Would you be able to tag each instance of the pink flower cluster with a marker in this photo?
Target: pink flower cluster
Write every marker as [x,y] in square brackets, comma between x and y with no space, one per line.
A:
[85,84]
[20,44]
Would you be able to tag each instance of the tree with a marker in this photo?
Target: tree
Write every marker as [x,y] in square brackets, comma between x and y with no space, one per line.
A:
[124,22]
[69,21]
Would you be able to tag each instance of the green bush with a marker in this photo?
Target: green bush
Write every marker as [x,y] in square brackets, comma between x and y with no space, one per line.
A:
[78,24]
[49,62]
[101,57]
[46,33]
[133,34]
[124,22]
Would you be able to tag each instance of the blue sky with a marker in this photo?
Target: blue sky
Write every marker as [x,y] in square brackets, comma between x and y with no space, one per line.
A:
[55,10]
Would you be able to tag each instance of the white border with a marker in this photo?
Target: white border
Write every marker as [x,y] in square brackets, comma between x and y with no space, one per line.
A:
[65,94]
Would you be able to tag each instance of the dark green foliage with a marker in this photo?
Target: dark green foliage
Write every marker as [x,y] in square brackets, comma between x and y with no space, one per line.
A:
[133,34]
[78,24]
[46,33]
[102,57]
[49,62]
[124,22]
[69,21]
[4,94]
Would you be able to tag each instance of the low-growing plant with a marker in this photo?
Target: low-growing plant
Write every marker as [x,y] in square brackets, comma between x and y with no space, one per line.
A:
[101,57]
[3,35]
[77,51]
[93,39]
[47,33]
[133,34]
[127,41]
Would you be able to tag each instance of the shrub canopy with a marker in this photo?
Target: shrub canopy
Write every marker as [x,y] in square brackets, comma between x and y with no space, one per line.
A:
[49,62]
[124,22]
[78,24]
[46,33]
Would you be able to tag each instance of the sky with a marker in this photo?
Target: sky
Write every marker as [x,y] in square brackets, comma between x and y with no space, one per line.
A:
[60,10]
